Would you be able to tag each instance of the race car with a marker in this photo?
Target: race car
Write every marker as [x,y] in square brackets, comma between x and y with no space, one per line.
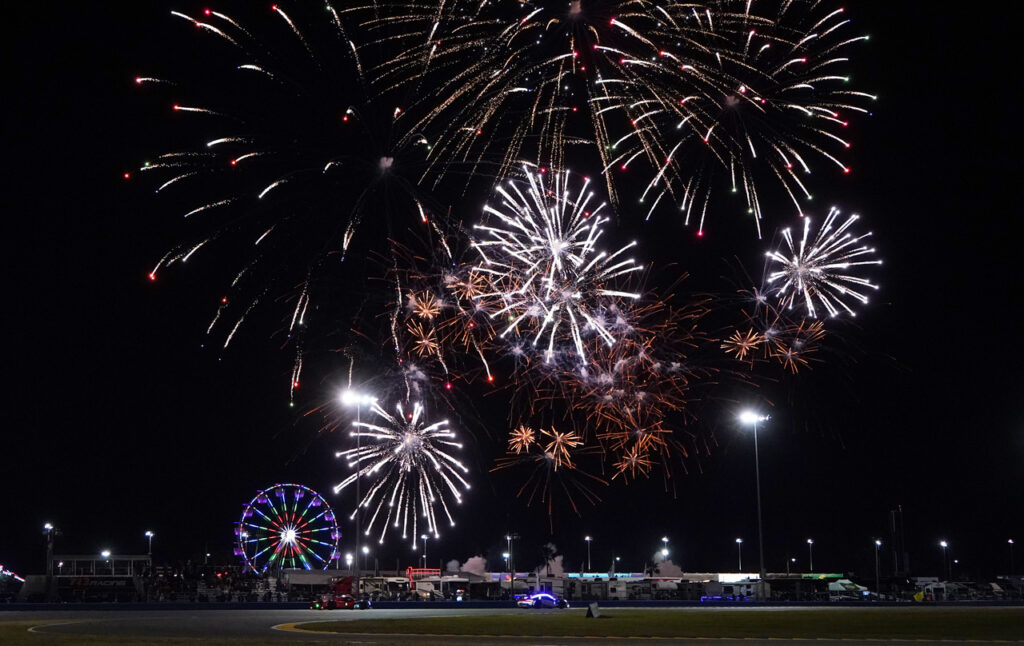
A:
[541,600]
[338,601]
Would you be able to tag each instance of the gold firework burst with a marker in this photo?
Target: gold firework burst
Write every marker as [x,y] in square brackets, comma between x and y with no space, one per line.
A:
[557,450]
[633,461]
[471,287]
[789,357]
[796,345]
[740,344]
[424,340]
[521,439]
[642,428]
[425,305]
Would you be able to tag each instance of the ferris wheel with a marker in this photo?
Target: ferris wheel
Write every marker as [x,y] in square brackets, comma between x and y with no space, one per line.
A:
[287,526]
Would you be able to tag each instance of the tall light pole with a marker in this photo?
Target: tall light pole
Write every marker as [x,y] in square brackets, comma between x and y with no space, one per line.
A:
[588,539]
[810,554]
[49,531]
[750,418]
[1010,543]
[350,398]
[944,545]
[150,535]
[510,538]
[788,562]
[664,547]
[365,550]
[878,590]
[106,555]
[739,550]
[424,537]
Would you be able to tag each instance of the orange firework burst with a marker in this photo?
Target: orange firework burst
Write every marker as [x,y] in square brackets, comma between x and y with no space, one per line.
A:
[635,460]
[554,469]
[642,428]
[430,318]
[808,335]
[788,357]
[558,449]
[741,344]
[646,373]
[423,339]
[521,439]
[779,337]
[794,346]
[469,287]
[424,305]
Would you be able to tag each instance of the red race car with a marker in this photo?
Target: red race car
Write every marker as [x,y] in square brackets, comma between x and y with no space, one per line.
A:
[334,602]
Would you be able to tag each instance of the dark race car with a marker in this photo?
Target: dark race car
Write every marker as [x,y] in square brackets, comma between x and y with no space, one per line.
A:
[338,601]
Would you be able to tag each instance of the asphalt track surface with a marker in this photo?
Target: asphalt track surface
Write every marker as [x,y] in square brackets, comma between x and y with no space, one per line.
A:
[285,626]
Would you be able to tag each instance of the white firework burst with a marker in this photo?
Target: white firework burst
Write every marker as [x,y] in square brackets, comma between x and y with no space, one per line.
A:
[412,470]
[540,257]
[819,269]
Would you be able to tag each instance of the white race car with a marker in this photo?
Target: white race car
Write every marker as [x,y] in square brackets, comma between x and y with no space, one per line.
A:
[542,600]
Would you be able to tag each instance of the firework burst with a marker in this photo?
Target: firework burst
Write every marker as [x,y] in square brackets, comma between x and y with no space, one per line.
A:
[434,321]
[742,344]
[681,93]
[795,345]
[539,253]
[559,447]
[758,94]
[554,470]
[819,268]
[412,469]
[652,368]
[285,155]
[520,439]
[306,171]
[772,333]
[634,462]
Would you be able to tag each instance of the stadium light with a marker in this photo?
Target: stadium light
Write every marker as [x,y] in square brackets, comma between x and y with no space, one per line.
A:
[751,418]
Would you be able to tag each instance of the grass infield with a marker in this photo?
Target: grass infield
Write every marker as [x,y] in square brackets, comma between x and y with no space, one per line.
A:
[838,623]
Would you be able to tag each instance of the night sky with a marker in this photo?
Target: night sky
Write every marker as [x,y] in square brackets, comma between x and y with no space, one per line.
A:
[118,422]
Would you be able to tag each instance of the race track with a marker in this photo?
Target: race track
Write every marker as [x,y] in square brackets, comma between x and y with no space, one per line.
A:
[284,626]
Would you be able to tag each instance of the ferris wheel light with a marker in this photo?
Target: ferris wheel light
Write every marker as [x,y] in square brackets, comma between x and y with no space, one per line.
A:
[286,526]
